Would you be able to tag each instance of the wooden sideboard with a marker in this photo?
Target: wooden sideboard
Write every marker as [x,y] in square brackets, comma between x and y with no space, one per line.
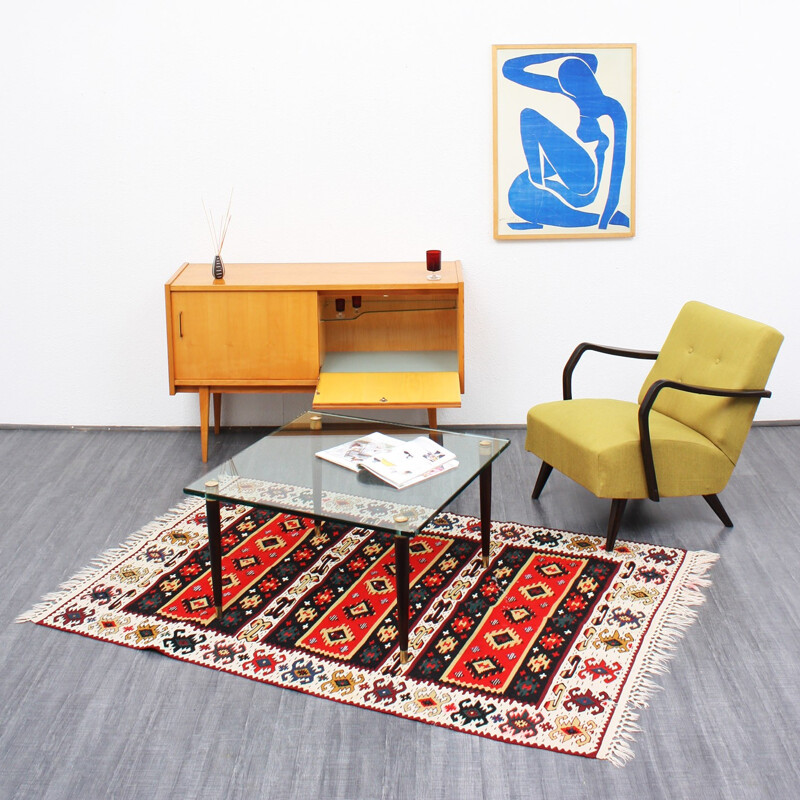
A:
[360,336]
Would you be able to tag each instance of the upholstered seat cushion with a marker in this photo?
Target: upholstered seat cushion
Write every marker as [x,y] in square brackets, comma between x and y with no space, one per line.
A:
[596,443]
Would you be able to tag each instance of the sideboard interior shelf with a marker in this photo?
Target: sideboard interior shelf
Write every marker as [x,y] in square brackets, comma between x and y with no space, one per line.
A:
[356,335]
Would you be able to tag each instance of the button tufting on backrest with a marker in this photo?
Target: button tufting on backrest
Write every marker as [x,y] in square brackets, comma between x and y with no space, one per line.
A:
[693,351]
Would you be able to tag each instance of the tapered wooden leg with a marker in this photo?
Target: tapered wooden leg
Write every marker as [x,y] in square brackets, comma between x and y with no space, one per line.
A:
[541,480]
[215,551]
[486,512]
[401,587]
[217,411]
[614,519]
[432,418]
[204,422]
[714,502]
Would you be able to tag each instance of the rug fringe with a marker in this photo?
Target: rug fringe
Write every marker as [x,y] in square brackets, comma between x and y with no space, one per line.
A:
[669,628]
[106,561]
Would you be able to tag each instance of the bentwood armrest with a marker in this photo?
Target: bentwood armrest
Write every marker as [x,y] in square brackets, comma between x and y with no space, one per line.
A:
[572,362]
[644,419]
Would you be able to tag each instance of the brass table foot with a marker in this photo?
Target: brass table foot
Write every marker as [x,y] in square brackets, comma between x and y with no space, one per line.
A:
[219,612]
[485,561]
[404,657]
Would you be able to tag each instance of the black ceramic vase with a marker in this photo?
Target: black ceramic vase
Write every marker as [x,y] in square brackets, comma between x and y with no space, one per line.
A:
[218,268]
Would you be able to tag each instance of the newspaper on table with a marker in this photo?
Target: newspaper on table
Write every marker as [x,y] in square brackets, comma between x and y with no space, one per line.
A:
[399,463]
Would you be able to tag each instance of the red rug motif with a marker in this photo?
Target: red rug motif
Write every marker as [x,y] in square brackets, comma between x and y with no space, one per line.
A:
[553,646]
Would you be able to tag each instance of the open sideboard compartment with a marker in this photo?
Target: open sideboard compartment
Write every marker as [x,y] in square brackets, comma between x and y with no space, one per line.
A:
[391,349]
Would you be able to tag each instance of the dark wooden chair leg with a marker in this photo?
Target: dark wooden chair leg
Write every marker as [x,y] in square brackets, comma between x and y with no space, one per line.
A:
[715,504]
[544,474]
[614,519]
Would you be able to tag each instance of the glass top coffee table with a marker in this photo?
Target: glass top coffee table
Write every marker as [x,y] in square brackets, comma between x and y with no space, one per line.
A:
[282,472]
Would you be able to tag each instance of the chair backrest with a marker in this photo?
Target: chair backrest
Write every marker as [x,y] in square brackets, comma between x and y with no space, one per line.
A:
[717,349]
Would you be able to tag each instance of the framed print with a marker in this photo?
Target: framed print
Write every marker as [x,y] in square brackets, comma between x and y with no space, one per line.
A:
[564,140]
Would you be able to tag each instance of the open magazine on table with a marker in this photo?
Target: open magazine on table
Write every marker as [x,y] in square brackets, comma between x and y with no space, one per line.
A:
[399,463]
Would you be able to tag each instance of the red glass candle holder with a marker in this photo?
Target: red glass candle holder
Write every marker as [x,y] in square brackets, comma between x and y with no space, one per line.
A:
[433,259]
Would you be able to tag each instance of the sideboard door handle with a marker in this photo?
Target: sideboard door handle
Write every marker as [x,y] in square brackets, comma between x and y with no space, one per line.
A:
[180,324]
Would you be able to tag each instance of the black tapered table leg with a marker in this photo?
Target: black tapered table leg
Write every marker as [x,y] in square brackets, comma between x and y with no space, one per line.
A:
[486,512]
[316,492]
[401,587]
[215,549]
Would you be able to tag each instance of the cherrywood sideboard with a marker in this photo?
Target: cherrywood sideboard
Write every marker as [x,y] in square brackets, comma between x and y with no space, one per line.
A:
[356,335]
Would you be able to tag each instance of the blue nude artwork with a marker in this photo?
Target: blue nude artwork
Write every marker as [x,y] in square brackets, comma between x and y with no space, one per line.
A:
[564,141]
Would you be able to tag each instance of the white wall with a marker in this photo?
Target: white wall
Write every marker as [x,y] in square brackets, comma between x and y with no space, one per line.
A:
[359,131]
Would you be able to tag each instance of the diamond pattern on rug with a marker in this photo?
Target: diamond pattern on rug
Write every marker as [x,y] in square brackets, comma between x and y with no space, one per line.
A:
[551,646]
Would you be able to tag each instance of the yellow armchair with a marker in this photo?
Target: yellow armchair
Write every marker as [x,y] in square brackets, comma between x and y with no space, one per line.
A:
[686,432]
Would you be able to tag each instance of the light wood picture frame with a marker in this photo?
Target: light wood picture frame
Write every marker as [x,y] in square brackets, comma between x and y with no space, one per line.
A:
[564,141]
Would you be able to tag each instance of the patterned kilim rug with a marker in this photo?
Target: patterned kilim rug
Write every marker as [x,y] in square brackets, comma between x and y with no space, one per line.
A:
[554,646]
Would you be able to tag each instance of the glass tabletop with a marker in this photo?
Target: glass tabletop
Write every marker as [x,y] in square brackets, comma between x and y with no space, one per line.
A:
[282,471]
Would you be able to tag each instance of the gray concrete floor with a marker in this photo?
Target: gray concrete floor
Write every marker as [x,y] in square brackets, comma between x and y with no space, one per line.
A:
[85,719]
